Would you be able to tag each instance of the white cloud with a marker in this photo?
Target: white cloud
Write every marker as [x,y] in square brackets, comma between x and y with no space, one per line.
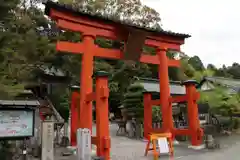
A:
[213,24]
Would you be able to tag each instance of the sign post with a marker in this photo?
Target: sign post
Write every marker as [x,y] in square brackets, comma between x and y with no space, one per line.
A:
[47,140]
[161,142]
[84,144]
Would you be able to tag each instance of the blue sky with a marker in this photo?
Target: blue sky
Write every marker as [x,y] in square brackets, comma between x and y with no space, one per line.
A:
[213,24]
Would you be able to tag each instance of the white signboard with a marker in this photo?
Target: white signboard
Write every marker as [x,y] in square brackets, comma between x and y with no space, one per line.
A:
[84,144]
[47,140]
[16,123]
[163,145]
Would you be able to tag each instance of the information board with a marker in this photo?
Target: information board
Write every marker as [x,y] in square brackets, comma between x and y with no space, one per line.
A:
[16,123]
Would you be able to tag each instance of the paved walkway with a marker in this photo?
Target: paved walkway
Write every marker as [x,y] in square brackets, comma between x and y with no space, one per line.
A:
[231,153]
[129,150]
[126,149]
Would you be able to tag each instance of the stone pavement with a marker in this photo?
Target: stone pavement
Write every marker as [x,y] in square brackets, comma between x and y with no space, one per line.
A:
[231,153]
[126,149]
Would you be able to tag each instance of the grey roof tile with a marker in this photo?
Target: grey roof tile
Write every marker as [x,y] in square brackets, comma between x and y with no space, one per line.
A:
[152,85]
[19,103]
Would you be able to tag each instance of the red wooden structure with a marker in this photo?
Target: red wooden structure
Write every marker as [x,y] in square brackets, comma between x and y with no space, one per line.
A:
[102,139]
[74,117]
[90,27]
[194,130]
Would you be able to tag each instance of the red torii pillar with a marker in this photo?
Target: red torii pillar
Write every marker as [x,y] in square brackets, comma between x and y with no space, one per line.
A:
[195,131]
[74,117]
[103,136]
[166,105]
[86,81]
[102,139]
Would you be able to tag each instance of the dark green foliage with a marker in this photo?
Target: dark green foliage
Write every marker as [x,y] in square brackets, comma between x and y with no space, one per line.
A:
[133,100]
[5,150]
[61,102]
[196,62]
[156,114]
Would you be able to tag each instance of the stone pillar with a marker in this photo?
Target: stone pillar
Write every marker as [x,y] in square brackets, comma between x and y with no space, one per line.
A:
[47,140]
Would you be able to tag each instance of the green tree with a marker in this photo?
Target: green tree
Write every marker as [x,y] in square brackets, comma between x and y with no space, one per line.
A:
[131,11]
[186,69]
[199,75]
[234,70]
[222,72]
[6,10]
[196,63]
[220,101]
[133,101]
[211,67]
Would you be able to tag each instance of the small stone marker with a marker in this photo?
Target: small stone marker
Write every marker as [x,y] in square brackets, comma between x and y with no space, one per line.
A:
[84,144]
[47,140]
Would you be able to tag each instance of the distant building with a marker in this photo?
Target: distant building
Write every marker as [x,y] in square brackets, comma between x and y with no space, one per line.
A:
[152,85]
[176,89]
[209,83]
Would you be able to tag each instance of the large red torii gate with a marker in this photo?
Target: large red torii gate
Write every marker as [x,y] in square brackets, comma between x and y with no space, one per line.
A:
[70,18]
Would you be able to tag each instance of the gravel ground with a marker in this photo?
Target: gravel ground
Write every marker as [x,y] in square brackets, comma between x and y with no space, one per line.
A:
[126,149]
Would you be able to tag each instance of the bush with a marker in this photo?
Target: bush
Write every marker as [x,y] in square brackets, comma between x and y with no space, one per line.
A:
[133,101]
[236,123]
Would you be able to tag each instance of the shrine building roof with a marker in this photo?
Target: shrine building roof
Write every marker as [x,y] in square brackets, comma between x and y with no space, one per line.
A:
[19,103]
[77,11]
[152,86]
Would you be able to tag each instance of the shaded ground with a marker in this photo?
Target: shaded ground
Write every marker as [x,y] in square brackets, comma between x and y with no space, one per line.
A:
[126,149]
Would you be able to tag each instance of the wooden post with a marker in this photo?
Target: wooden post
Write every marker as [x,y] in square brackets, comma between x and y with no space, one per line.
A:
[102,94]
[47,140]
[166,106]
[147,114]
[74,118]
[86,82]
[192,108]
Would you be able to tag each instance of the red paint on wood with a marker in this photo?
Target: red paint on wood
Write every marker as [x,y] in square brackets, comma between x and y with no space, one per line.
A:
[147,114]
[193,118]
[103,140]
[74,118]
[90,97]
[78,48]
[86,82]
[166,106]
[178,99]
